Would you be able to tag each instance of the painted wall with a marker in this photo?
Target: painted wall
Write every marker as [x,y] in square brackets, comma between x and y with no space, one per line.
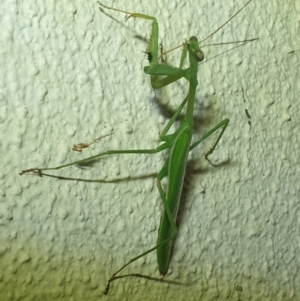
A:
[70,73]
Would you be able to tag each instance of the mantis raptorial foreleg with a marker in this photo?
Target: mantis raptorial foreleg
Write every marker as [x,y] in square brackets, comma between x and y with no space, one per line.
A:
[178,143]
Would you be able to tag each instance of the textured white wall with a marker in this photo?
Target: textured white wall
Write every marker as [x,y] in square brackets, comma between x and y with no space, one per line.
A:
[70,73]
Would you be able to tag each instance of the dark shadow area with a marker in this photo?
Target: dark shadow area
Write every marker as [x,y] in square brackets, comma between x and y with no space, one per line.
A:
[189,173]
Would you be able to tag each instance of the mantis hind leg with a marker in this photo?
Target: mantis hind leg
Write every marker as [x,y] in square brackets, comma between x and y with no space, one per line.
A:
[160,176]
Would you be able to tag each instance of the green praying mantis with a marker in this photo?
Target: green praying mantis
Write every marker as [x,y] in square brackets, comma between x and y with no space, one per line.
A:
[178,144]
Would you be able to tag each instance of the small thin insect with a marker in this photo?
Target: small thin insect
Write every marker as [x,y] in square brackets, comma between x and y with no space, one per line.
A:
[243,94]
[246,111]
[178,144]
[247,114]
[80,146]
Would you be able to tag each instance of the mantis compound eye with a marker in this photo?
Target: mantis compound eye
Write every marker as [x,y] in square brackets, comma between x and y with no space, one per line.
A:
[199,55]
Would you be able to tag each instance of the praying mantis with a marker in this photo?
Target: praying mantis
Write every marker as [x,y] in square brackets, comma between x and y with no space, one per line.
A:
[178,143]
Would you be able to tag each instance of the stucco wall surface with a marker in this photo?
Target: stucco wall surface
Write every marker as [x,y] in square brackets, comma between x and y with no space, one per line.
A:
[71,73]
